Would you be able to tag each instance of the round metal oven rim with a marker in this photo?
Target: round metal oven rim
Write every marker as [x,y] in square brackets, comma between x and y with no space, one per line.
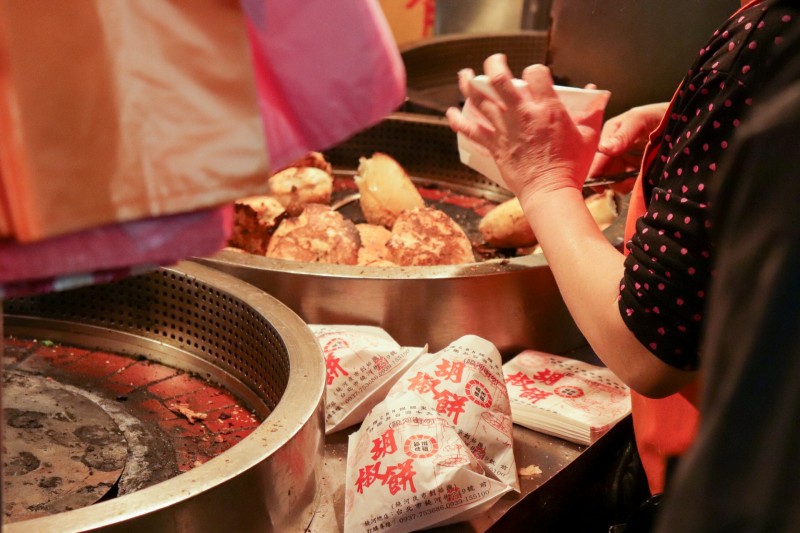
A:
[178,504]
[432,64]
[482,268]
[493,266]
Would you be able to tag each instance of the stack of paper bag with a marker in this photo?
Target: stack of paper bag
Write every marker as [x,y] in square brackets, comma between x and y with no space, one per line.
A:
[564,397]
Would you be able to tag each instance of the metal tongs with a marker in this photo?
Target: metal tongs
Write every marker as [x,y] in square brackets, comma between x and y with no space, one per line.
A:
[610,179]
[597,181]
[349,199]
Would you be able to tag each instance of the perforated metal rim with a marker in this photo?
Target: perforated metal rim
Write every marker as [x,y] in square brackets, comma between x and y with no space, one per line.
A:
[435,62]
[297,407]
[184,313]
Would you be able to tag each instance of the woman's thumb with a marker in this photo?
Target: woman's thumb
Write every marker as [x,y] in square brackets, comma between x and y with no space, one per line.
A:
[610,145]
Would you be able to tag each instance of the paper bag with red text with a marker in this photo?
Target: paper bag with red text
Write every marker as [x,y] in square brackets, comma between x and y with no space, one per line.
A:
[438,449]
[362,363]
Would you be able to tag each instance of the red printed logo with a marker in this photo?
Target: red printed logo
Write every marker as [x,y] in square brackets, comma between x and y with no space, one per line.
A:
[420,446]
[479,394]
[335,344]
[568,392]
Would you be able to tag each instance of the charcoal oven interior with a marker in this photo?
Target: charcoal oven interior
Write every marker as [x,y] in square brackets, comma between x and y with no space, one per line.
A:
[511,301]
[204,325]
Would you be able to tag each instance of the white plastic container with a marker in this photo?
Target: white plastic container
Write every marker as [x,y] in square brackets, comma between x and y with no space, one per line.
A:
[577,101]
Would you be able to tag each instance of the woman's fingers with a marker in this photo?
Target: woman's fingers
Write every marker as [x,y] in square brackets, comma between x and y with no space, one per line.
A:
[612,137]
[464,77]
[496,66]
[539,80]
[601,165]
[471,129]
[501,80]
[497,114]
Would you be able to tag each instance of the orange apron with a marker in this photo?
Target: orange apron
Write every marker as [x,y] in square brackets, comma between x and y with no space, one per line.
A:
[663,427]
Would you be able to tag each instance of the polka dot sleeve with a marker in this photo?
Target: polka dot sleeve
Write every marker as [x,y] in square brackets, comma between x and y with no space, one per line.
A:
[667,270]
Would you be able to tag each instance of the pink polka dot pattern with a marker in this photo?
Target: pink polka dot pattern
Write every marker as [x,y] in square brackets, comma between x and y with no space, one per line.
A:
[669,262]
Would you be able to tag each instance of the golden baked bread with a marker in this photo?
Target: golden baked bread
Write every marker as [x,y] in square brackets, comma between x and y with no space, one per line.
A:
[255,218]
[603,208]
[427,236]
[385,189]
[373,250]
[318,235]
[505,226]
[313,159]
[301,185]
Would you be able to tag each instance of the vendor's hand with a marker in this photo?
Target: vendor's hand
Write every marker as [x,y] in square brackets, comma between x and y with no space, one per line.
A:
[624,138]
[536,144]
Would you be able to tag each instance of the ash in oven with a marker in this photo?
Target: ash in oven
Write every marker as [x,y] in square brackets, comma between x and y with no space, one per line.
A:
[82,426]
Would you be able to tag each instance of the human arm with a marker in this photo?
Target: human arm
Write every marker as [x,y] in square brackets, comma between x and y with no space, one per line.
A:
[544,157]
[588,270]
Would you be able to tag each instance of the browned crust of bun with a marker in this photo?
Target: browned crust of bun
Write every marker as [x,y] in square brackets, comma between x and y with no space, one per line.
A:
[505,226]
[373,250]
[301,185]
[317,235]
[313,159]
[426,237]
[255,218]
